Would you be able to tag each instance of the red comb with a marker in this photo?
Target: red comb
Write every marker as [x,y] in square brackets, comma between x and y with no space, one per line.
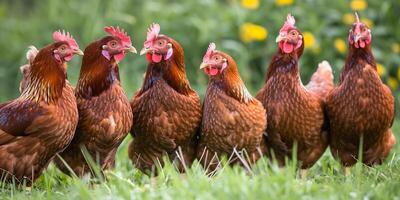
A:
[210,50]
[152,34]
[289,23]
[120,33]
[357,18]
[63,36]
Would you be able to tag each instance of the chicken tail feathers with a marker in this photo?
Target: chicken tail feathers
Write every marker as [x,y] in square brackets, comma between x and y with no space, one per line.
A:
[321,81]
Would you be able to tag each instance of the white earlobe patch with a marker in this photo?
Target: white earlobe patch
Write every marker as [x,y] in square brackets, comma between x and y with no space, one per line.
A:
[106,54]
[169,54]
[224,65]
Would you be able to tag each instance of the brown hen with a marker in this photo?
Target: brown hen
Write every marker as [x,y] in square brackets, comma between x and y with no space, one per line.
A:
[295,114]
[41,122]
[166,110]
[361,108]
[233,121]
[105,116]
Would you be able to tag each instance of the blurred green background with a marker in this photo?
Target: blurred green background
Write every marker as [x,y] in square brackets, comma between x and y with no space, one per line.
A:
[246,29]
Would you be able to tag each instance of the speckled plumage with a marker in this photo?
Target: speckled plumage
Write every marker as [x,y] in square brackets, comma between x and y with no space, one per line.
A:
[294,113]
[40,123]
[167,115]
[232,121]
[360,106]
[105,116]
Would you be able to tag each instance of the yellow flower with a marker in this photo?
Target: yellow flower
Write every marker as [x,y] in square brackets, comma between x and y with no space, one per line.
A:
[348,18]
[392,82]
[340,45]
[250,4]
[309,40]
[396,47]
[281,3]
[252,32]
[358,4]
[368,22]
[380,69]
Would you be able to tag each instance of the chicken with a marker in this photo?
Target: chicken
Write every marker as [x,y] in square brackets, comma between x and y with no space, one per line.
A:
[233,122]
[361,108]
[295,114]
[25,69]
[166,110]
[105,115]
[41,122]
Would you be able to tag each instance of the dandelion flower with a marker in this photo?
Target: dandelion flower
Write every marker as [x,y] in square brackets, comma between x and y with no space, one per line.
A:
[358,5]
[380,69]
[340,45]
[309,40]
[281,3]
[252,32]
[250,4]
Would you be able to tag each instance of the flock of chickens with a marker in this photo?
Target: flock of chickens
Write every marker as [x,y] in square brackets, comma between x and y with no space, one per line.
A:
[53,121]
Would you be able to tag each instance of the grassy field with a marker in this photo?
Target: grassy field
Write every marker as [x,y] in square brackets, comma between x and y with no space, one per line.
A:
[236,28]
[266,181]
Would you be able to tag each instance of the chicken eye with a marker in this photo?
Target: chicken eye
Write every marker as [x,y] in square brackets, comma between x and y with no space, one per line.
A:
[62,48]
[293,33]
[113,44]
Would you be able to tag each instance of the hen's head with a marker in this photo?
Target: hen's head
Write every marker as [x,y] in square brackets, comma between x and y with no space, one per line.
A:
[290,39]
[64,47]
[214,62]
[157,47]
[359,34]
[116,44]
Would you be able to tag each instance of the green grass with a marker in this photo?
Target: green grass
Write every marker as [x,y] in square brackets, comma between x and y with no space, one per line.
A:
[325,181]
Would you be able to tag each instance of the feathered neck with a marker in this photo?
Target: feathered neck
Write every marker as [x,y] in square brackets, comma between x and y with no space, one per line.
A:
[172,71]
[353,58]
[283,64]
[231,83]
[97,74]
[46,78]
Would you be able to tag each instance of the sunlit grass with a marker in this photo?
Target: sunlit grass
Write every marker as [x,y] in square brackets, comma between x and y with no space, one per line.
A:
[267,181]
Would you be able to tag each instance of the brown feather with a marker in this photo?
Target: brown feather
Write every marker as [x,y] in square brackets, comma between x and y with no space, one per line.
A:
[105,116]
[360,106]
[232,120]
[166,112]
[295,115]
[40,123]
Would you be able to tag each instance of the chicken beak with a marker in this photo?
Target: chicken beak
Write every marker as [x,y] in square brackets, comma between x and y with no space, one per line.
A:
[203,65]
[78,52]
[131,49]
[279,38]
[145,51]
[357,37]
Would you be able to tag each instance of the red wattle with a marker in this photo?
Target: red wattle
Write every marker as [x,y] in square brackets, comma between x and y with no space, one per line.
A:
[156,58]
[362,44]
[211,71]
[148,57]
[287,47]
[120,56]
